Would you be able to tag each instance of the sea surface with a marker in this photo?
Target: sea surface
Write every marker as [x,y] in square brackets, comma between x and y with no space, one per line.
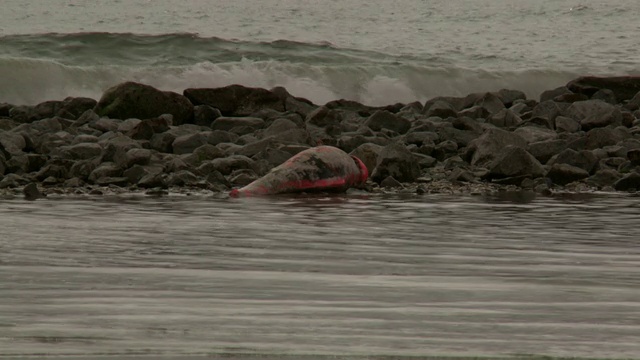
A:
[377,52]
[340,277]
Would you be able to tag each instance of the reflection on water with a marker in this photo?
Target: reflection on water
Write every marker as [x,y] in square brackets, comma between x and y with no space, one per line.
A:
[341,276]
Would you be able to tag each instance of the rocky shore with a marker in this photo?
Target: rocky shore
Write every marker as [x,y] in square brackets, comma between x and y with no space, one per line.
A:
[584,136]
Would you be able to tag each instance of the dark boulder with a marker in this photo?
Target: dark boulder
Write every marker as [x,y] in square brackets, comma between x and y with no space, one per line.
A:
[421,137]
[228,123]
[504,118]
[236,100]
[583,159]
[563,174]
[485,148]
[227,165]
[204,115]
[383,119]
[186,144]
[605,95]
[565,124]
[323,117]
[490,102]
[532,134]
[548,110]
[604,177]
[82,151]
[634,156]
[594,113]
[135,100]
[368,153]
[595,139]
[508,97]
[544,150]
[395,160]
[630,181]
[514,161]
[552,94]
[441,109]
[623,87]
[634,103]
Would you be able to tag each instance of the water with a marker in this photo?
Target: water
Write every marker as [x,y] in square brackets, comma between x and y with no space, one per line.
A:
[344,277]
[376,52]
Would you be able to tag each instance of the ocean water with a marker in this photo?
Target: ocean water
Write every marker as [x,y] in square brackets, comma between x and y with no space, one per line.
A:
[319,278]
[376,52]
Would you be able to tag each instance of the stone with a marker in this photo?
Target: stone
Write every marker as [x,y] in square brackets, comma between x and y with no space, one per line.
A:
[162,142]
[323,117]
[83,168]
[132,157]
[119,143]
[595,139]
[508,97]
[552,94]
[135,100]
[84,138]
[594,113]
[205,115]
[11,143]
[513,161]
[445,149]
[236,100]
[52,170]
[461,137]
[548,110]
[153,180]
[563,174]
[623,87]
[227,165]
[228,123]
[368,153]
[570,98]
[216,137]
[474,112]
[532,134]
[186,144]
[565,124]
[485,148]
[630,181]
[634,156]
[604,177]
[385,120]
[182,178]
[583,159]
[421,137]
[467,123]
[135,173]
[505,118]
[243,177]
[605,95]
[634,103]
[490,102]
[395,160]
[127,125]
[544,150]
[462,175]
[441,109]
[105,124]
[31,192]
[82,151]
[391,182]
[104,170]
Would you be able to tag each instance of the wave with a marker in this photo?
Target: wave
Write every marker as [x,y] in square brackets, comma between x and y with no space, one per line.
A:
[30,81]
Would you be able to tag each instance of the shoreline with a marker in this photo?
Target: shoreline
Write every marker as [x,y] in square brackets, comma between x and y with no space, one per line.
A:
[583,137]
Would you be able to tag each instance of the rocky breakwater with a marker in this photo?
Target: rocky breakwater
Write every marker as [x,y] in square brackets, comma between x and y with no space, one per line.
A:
[579,137]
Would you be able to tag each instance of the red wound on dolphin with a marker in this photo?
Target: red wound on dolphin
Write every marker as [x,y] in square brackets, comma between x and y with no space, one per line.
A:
[322,168]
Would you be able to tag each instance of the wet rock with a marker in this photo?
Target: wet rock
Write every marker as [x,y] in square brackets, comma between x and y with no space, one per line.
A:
[583,159]
[146,128]
[544,150]
[105,124]
[594,113]
[162,142]
[52,170]
[104,170]
[421,137]
[634,103]
[565,124]
[119,143]
[634,156]
[548,110]
[182,178]
[484,149]
[154,180]
[385,120]
[227,165]
[395,160]
[292,103]
[623,87]
[228,123]
[242,177]
[532,134]
[605,95]
[204,115]
[12,181]
[135,100]
[505,118]
[186,144]
[474,112]
[462,175]
[513,161]
[11,143]
[570,98]
[508,97]
[82,151]
[563,174]
[445,149]
[630,181]
[391,182]
[323,117]
[368,153]
[595,139]
[236,100]
[551,94]
[441,109]
[136,172]
[116,181]
[31,192]
[83,168]
[604,177]
[491,102]
[135,156]
[467,123]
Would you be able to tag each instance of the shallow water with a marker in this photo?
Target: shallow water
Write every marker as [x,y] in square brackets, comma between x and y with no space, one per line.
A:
[344,277]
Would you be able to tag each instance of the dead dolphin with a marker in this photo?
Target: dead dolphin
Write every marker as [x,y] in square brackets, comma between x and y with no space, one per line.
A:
[322,168]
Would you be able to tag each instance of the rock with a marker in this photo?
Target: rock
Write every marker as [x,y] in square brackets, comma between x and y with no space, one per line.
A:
[162,142]
[532,134]
[513,161]
[628,182]
[491,102]
[135,100]
[120,143]
[216,137]
[11,143]
[236,100]
[565,124]
[467,123]
[12,181]
[148,127]
[205,115]
[182,178]
[31,192]
[441,109]
[421,137]
[279,126]
[584,159]
[570,98]
[186,144]
[551,94]
[548,110]
[484,149]
[462,175]
[544,150]
[634,103]
[132,157]
[425,161]
[83,168]
[563,174]
[385,120]
[104,170]
[623,87]
[323,117]
[504,118]
[395,160]
[595,139]
[605,95]
[368,153]
[153,180]
[52,170]
[474,112]
[105,124]
[243,177]
[604,177]
[634,156]
[594,113]
[445,149]
[82,151]
[227,165]
[136,172]
[228,123]
[294,104]
[508,97]
[390,182]
[461,137]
